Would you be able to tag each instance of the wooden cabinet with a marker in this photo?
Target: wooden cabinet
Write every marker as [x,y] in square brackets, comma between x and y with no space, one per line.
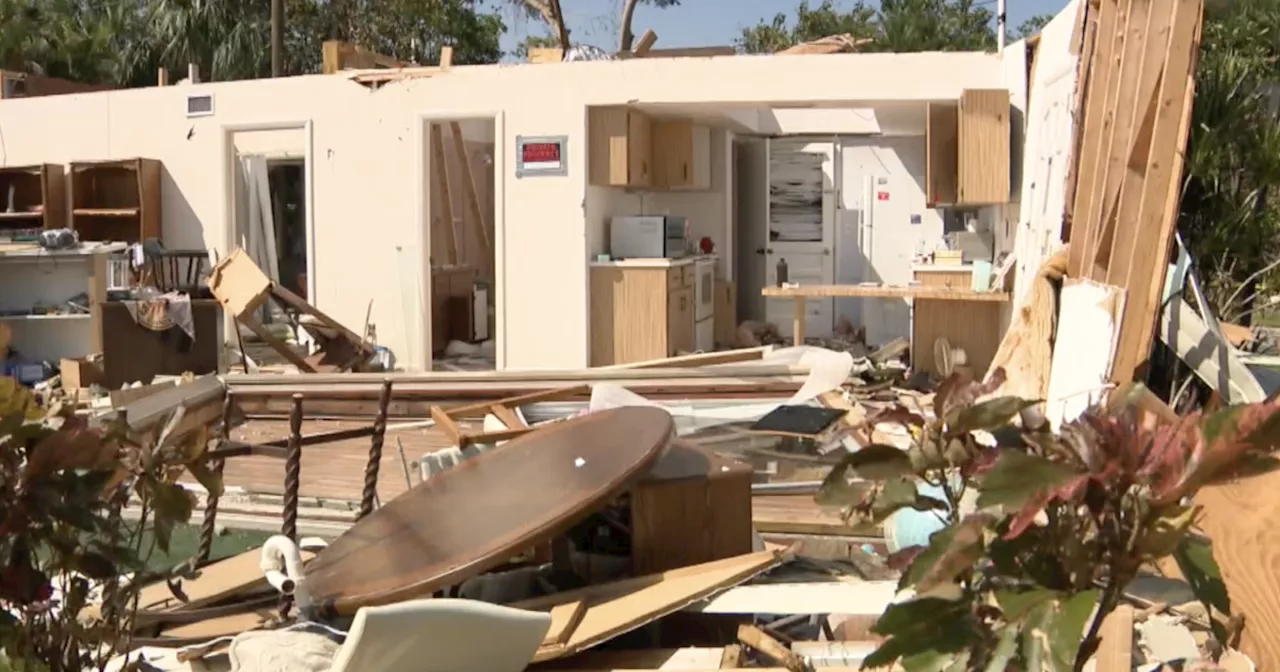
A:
[116,201]
[681,155]
[680,320]
[639,313]
[32,197]
[968,149]
[619,147]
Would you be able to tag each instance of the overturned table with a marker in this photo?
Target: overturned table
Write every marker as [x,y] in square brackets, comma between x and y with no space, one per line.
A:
[936,312]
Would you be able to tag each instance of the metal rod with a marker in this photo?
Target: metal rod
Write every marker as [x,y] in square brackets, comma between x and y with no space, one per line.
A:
[209,525]
[375,452]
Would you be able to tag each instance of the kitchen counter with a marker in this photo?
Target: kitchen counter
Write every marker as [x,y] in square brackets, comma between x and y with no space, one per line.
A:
[942,268]
[650,263]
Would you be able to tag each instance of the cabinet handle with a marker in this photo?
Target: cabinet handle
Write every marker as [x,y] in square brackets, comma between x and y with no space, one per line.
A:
[686,172]
[684,302]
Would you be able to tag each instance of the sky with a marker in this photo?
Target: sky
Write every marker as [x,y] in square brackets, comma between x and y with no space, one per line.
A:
[699,23]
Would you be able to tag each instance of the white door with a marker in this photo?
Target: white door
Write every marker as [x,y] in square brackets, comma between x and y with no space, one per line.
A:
[801,228]
[883,221]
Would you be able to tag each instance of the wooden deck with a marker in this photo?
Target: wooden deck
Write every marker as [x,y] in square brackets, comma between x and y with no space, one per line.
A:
[331,470]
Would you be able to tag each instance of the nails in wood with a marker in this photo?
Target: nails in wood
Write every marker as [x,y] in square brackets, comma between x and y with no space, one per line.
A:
[375,452]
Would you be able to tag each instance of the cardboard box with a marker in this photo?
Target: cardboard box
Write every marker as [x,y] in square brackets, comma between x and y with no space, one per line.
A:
[80,373]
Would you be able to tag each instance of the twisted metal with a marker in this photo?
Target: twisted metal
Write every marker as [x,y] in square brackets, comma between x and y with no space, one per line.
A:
[375,452]
[293,471]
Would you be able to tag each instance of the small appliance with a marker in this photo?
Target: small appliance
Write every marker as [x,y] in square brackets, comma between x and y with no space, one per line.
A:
[648,237]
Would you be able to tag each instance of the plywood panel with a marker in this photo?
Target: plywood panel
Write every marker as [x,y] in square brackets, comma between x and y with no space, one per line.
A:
[984,147]
[941,130]
[607,146]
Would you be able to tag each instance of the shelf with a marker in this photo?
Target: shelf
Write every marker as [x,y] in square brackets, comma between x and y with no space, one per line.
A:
[21,216]
[54,316]
[106,212]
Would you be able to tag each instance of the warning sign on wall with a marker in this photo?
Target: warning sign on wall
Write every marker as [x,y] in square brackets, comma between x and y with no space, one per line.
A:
[882,195]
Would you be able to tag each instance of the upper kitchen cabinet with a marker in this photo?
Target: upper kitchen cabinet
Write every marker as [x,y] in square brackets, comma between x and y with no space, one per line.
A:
[681,155]
[619,147]
[969,149]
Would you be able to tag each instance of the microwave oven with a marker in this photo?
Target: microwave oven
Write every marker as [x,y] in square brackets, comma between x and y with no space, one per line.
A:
[648,237]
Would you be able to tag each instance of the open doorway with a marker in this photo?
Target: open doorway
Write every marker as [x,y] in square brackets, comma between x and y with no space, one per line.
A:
[462,241]
[271,227]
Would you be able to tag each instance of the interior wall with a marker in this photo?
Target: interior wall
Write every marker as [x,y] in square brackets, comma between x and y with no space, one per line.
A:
[365,180]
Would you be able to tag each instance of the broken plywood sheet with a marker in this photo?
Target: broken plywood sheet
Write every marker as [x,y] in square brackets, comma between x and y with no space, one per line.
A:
[616,608]
[214,582]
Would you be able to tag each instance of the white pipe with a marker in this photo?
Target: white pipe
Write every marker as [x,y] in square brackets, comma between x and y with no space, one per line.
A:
[1000,23]
[280,553]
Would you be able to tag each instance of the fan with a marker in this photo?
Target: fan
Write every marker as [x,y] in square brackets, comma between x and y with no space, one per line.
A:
[947,358]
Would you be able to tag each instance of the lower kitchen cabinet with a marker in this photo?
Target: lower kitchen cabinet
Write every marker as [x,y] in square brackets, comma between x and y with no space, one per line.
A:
[640,311]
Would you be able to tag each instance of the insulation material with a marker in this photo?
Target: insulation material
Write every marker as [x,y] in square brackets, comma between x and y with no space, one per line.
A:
[1085,348]
[828,370]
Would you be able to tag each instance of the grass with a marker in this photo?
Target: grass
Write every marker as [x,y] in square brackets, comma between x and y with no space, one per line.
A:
[186,541]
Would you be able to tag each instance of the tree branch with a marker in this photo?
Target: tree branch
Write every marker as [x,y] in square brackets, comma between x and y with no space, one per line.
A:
[551,14]
[625,36]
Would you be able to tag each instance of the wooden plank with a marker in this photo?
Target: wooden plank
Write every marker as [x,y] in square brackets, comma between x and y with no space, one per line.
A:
[622,606]
[771,648]
[443,199]
[557,394]
[564,620]
[1115,654]
[1157,220]
[697,359]
[1146,41]
[883,292]
[446,423]
[470,194]
[1096,108]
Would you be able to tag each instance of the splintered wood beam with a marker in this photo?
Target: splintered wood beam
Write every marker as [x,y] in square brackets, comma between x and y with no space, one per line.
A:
[645,43]
[471,194]
[444,197]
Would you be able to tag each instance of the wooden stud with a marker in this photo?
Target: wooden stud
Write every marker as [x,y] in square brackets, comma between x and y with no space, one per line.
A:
[799,320]
[375,452]
[446,58]
[471,194]
[444,197]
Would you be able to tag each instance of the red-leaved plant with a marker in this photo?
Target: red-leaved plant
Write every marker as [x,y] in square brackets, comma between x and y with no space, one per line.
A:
[1023,577]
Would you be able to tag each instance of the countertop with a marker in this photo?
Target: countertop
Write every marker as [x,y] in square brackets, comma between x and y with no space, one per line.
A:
[942,268]
[650,263]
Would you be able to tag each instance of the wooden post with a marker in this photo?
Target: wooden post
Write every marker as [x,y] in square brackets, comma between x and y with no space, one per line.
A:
[799,320]
[375,452]
[293,471]
[162,77]
[445,197]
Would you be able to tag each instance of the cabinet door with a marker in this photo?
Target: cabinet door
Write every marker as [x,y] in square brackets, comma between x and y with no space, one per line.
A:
[680,321]
[672,154]
[639,149]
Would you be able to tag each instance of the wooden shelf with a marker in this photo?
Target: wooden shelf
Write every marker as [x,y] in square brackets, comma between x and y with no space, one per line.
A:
[116,200]
[51,316]
[106,212]
[39,197]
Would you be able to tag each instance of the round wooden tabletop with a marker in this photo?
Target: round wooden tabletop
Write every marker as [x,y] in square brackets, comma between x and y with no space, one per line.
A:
[488,509]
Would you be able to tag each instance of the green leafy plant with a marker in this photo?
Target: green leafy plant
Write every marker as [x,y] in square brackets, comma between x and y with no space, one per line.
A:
[1022,576]
[63,484]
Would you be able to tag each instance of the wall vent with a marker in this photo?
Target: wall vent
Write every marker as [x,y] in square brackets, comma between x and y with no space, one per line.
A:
[200,106]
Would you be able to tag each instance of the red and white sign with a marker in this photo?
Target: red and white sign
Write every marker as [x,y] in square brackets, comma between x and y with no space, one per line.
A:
[882,195]
[541,156]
